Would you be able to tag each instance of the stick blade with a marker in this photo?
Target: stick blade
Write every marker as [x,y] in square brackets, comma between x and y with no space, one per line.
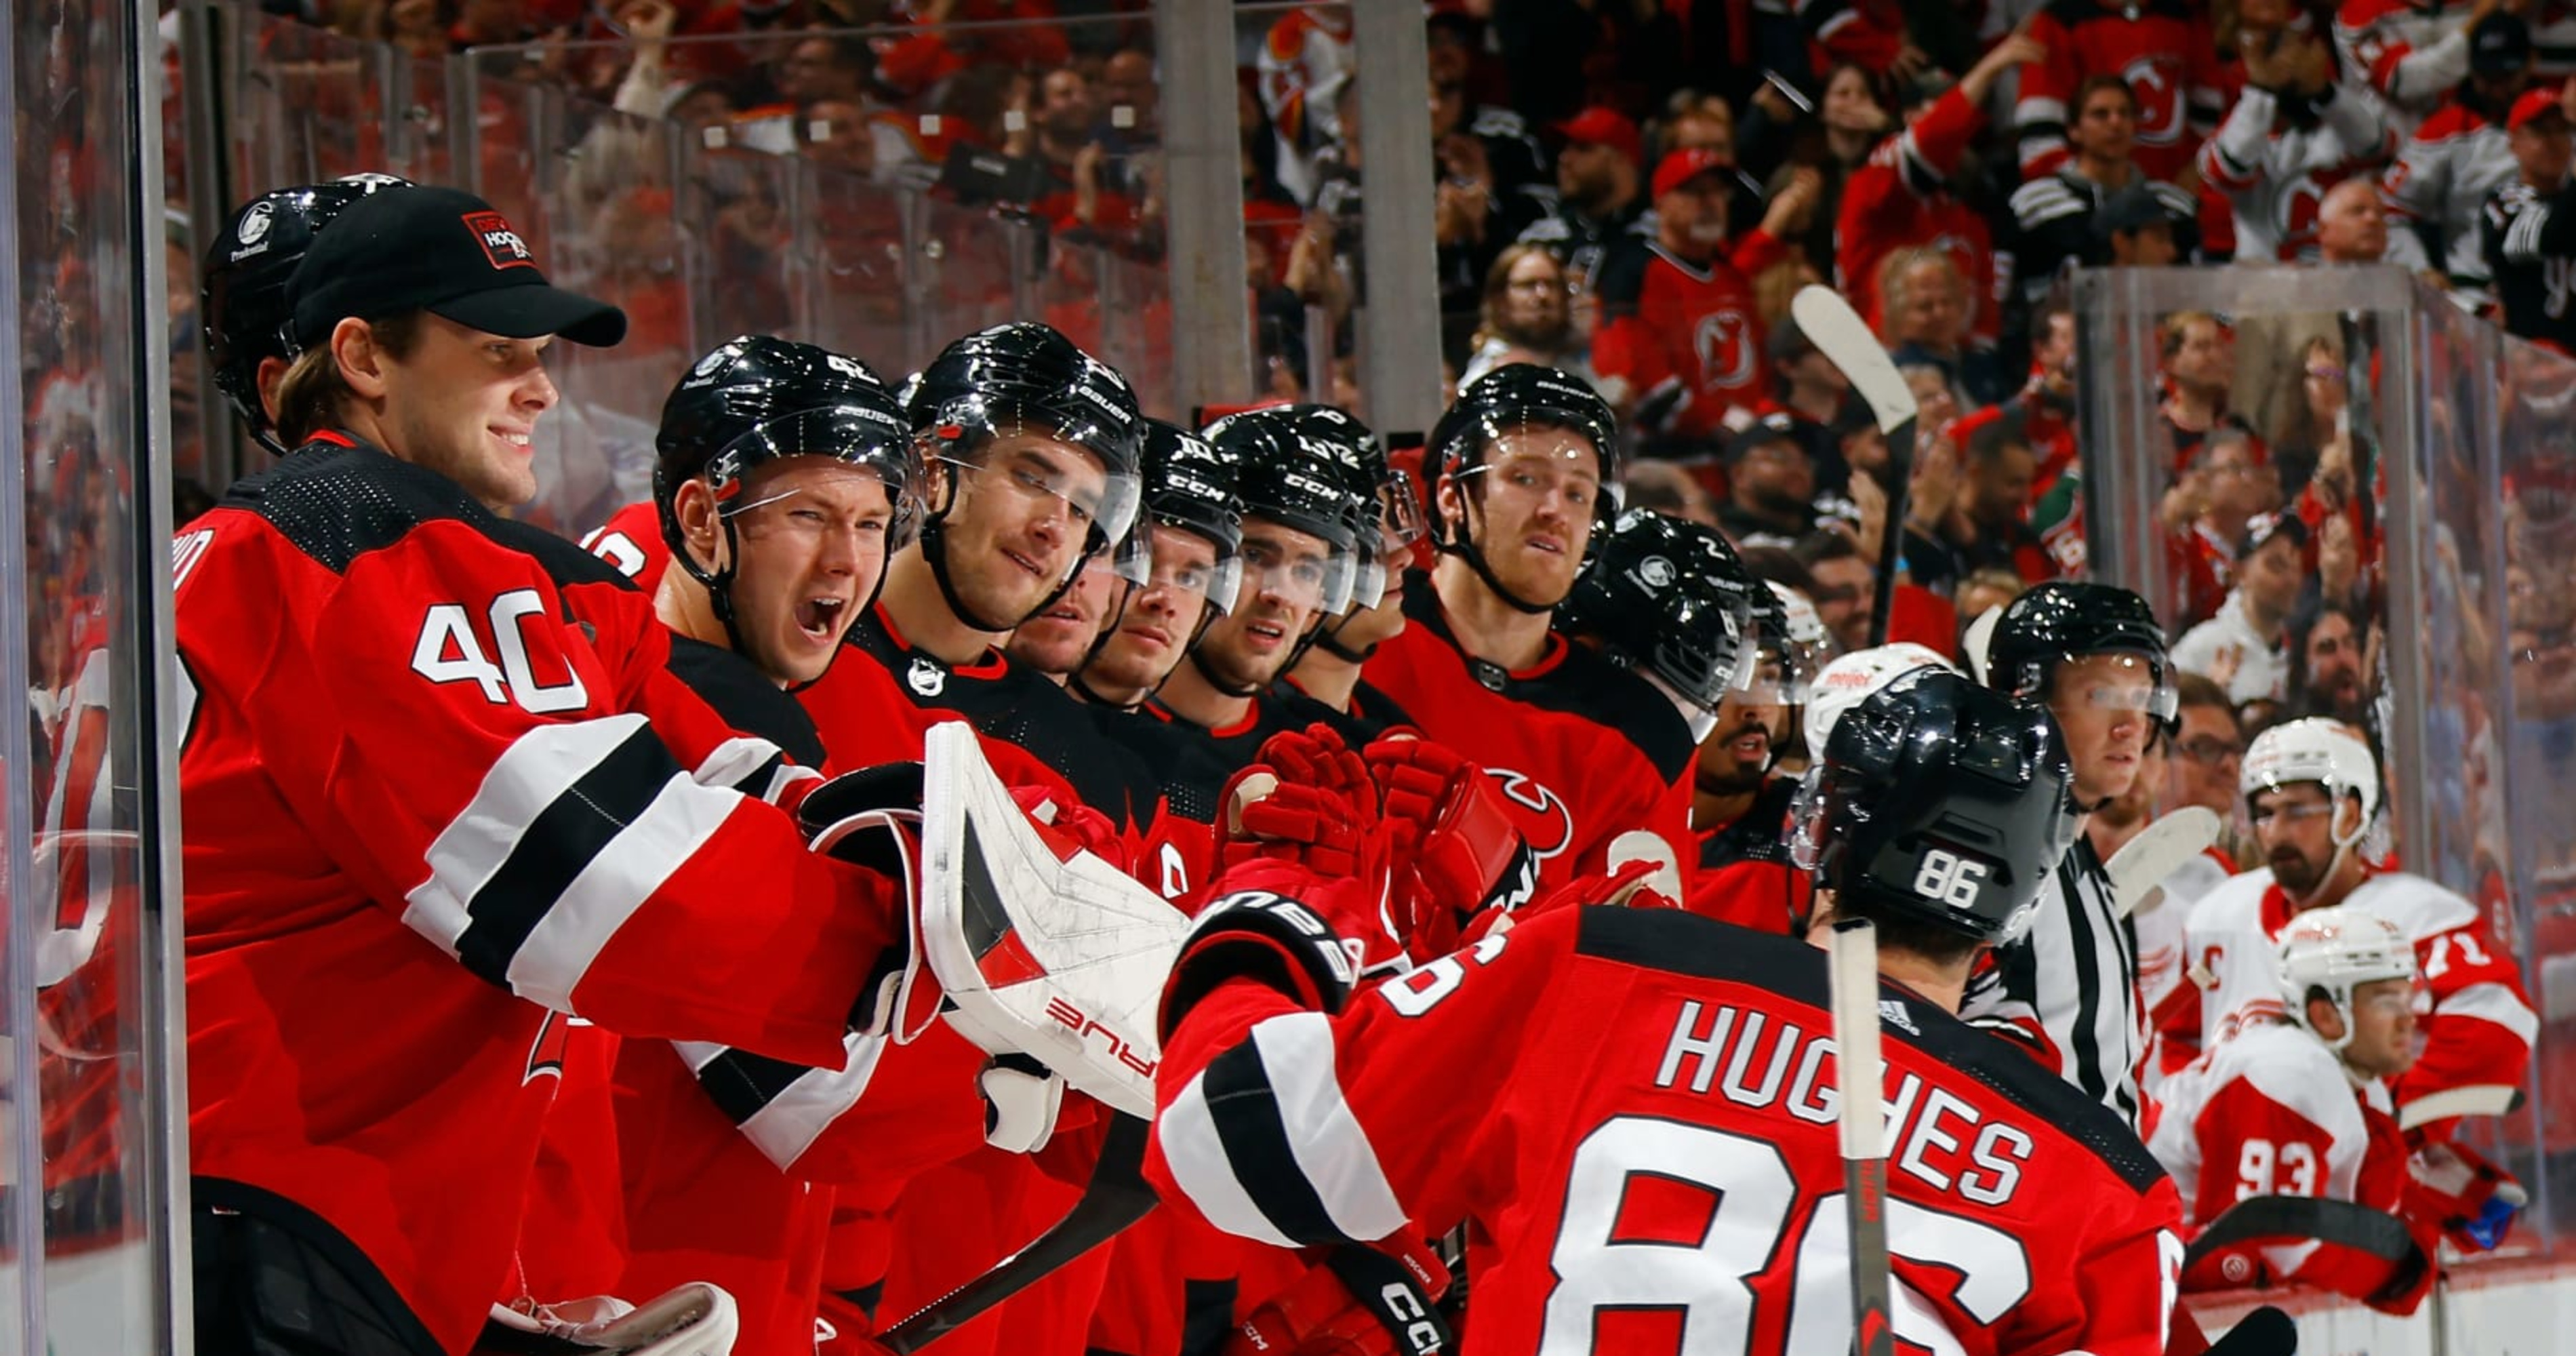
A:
[1838,332]
[2158,851]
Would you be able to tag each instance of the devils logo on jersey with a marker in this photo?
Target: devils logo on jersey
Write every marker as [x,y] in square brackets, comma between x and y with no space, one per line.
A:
[2156,83]
[1724,342]
[1538,812]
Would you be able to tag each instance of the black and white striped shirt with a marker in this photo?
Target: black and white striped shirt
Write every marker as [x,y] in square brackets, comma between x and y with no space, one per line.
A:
[2070,987]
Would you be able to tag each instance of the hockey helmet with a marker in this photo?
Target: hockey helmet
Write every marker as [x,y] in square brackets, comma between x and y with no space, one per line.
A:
[1671,599]
[1555,413]
[1307,484]
[2314,750]
[1852,678]
[1190,486]
[242,305]
[2060,620]
[2338,950]
[1939,800]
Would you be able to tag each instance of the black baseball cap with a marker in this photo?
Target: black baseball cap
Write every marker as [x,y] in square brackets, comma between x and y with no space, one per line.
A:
[445,252]
[2500,44]
[2132,209]
[1762,432]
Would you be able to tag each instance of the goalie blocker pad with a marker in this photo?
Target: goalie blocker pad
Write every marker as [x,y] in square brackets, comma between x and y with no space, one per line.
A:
[1061,960]
[696,1319]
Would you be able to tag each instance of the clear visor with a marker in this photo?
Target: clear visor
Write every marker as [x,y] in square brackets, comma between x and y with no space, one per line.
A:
[1535,464]
[1702,655]
[1400,521]
[1046,476]
[872,452]
[1305,572]
[2135,682]
[1779,676]
[1191,566]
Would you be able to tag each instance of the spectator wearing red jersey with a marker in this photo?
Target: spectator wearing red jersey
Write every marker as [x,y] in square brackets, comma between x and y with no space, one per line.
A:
[1902,196]
[1680,342]
[2162,48]
[2200,372]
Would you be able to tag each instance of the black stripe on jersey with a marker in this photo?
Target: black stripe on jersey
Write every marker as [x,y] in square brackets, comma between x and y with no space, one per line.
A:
[336,503]
[749,702]
[2088,1002]
[558,844]
[742,1085]
[1679,943]
[1245,1111]
[1207,1316]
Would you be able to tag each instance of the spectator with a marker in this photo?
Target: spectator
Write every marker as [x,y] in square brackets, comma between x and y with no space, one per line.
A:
[1770,486]
[2327,669]
[1527,317]
[1851,117]
[2137,229]
[2527,229]
[2352,224]
[2200,374]
[1902,197]
[1814,394]
[1600,200]
[1985,523]
[1680,339]
[2313,429]
[2243,647]
[2457,156]
[1985,589]
[2165,52]
[2208,747]
[1131,101]
[2293,128]
[2054,217]
[1926,322]
[1489,192]
[1667,489]
[840,134]
[487,23]
[824,68]
[1844,589]
[2233,489]
[1305,60]
[2339,581]
[2409,56]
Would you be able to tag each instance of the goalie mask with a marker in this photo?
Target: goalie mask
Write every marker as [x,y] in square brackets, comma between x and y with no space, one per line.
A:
[1937,800]
[1021,381]
[1551,420]
[242,304]
[1670,600]
[2337,951]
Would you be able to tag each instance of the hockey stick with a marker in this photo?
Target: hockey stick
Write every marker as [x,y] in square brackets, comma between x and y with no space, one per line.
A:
[2265,1332]
[1115,1197]
[1844,338]
[1862,1081]
[2158,851]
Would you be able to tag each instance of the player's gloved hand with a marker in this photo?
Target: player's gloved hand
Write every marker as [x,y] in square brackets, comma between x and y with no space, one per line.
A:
[1071,828]
[1022,1099]
[872,817]
[1359,1301]
[1460,856]
[2470,1199]
[1307,798]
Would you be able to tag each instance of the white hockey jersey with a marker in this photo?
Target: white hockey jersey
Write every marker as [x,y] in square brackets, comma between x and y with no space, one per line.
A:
[2478,1026]
[2439,181]
[2276,179]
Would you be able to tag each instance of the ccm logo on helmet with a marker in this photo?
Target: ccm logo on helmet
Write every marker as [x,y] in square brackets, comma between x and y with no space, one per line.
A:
[501,243]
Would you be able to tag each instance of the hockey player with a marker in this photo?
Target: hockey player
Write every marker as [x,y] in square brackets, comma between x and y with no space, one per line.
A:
[2312,789]
[1635,1105]
[1302,516]
[442,794]
[1029,450]
[2298,1106]
[786,474]
[1326,681]
[1594,760]
[242,291]
[2068,991]
[1197,526]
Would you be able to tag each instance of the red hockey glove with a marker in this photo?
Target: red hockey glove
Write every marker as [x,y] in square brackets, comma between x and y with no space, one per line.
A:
[1359,1301]
[1072,828]
[2455,1189]
[1307,799]
[1448,824]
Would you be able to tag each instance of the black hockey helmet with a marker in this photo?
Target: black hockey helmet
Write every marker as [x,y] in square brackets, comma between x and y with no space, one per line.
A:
[756,399]
[2059,620]
[242,304]
[1670,598]
[1941,801]
[1519,398]
[1188,484]
[1305,483]
[1025,377]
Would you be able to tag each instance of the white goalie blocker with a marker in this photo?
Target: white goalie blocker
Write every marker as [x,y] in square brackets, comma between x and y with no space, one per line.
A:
[696,1319]
[1059,960]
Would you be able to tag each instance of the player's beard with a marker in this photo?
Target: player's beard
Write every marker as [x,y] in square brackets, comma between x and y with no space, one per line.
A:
[2294,872]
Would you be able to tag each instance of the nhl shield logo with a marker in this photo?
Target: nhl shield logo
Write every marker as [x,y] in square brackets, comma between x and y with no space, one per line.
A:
[926,678]
[255,222]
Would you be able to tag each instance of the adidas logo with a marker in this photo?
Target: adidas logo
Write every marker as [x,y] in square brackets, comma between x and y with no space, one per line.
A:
[1892,1012]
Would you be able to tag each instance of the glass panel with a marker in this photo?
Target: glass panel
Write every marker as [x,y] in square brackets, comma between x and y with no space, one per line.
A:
[87,1138]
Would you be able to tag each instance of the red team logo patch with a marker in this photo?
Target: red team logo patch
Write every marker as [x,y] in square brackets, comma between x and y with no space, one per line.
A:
[500,241]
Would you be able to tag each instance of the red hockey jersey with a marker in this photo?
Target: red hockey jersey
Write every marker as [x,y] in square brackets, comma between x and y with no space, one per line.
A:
[428,797]
[1586,752]
[632,541]
[1636,1107]
[1901,198]
[1687,338]
[2163,49]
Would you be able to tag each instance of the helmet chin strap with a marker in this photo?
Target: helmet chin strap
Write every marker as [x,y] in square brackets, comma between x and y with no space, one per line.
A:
[718,583]
[1466,549]
[934,549]
[1330,642]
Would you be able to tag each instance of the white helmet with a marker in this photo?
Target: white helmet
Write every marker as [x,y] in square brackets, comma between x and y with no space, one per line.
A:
[1842,684]
[2314,750]
[2338,950]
